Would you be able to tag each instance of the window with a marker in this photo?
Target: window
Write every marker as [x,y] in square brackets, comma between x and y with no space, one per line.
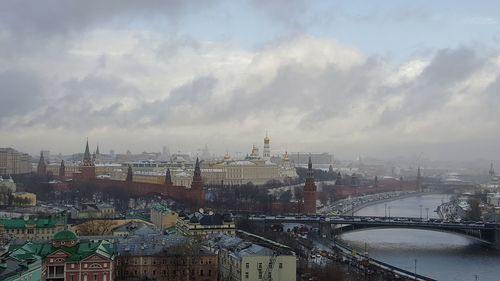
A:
[201,272]
[72,265]
[260,265]
[269,275]
[246,275]
[72,277]
[95,276]
[247,266]
[260,274]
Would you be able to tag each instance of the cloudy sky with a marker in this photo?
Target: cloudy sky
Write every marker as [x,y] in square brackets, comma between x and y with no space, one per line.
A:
[372,78]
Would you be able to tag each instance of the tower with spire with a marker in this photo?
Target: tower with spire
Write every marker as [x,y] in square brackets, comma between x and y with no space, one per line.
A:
[492,171]
[62,170]
[197,193]
[88,166]
[168,178]
[130,174]
[310,196]
[266,153]
[41,169]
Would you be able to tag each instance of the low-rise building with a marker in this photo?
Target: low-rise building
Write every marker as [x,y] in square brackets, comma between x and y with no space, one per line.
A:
[68,258]
[164,258]
[163,217]
[34,228]
[202,224]
[246,261]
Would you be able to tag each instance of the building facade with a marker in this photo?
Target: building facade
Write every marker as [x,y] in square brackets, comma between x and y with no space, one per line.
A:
[165,258]
[13,162]
[202,224]
[66,258]
[244,261]
[163,217]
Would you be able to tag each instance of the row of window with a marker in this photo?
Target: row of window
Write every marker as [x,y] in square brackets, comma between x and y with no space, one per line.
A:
[170,273]
[136,261]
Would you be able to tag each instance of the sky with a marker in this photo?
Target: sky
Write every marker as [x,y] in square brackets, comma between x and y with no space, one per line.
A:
[370,78]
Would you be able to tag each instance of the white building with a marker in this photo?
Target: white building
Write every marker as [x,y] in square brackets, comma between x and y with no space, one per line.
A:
[245,261]
[13,162]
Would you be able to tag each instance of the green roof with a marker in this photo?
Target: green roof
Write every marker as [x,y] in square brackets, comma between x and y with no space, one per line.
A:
[76,253]
[161,208]
[20,223]
[65,235]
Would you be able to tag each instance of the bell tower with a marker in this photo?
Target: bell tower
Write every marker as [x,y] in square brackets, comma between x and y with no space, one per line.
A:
[266,153]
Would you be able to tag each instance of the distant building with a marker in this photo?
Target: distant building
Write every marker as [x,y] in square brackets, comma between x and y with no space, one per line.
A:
[241,260]
[13,162]
[33,229]
[317,158]
[163,217]
[202,224]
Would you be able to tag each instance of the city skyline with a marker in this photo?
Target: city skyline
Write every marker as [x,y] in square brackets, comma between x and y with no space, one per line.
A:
[385,79]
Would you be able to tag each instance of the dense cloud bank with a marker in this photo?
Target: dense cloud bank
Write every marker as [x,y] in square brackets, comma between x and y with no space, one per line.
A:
[132,88]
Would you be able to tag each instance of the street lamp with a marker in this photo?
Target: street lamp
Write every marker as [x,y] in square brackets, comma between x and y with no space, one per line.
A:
[420,211]
[385,210]
[427,210]
[389,211]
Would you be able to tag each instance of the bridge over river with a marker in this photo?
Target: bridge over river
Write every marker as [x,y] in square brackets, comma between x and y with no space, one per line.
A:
[328,225]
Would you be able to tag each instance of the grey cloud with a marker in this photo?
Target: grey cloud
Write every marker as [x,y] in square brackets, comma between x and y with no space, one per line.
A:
[433,88]
[57,17]
[20,92]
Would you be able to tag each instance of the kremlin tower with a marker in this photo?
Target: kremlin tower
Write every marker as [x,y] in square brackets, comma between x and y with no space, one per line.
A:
[42,166]
[196,191]
[88,165]
[309,206]
[168,178]
[62,170]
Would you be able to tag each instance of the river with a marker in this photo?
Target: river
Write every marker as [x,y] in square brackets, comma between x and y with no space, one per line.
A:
[439,255]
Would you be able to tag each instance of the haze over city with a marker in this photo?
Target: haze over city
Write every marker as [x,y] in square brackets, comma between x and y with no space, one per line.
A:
[350,78]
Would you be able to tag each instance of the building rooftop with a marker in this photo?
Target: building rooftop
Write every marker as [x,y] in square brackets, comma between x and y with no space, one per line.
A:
[239,247]
[21,223]
[161,209]
[65,235]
